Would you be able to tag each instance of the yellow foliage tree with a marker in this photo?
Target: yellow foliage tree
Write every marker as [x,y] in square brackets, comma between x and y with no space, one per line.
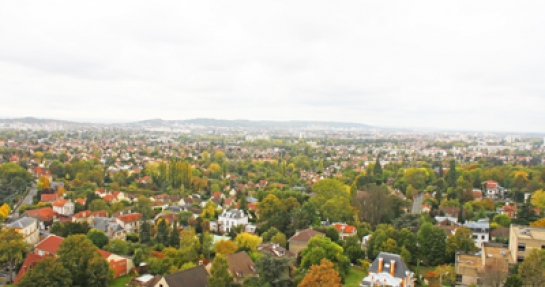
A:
[4,211]
[43,182]
[60,191]
[225,247]
[538,199]
[539,223]
[322,275]
[248,241]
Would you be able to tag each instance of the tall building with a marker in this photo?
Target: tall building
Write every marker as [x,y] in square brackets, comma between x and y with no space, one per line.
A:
[522,239]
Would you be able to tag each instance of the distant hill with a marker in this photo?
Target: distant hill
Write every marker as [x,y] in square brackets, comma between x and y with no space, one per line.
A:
[251,124]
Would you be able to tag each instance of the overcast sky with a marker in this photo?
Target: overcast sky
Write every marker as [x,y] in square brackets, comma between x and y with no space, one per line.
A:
[476,65]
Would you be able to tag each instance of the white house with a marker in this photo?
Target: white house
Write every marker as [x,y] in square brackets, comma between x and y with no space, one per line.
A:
[389,270]
[64,207]
[28,227]
[480,229]
[229,219]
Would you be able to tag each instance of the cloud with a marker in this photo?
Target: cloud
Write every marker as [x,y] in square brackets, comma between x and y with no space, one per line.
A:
[453,65]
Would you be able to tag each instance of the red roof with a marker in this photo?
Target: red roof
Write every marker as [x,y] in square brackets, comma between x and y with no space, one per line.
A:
[104,254]
[48,197]
[60,202]
[217,194]
[80,201]
[30,261]
[50,244]
[43,214]
[108,198]
[130,217]
[100,213]
[82,214]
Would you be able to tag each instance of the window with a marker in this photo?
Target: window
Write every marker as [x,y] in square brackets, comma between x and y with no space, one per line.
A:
[482,237]
[522,247]
[458,277]
[475,237]
[542,246]
[520,259]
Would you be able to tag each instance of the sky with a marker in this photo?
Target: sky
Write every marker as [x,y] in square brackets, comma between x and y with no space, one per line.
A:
[462,65]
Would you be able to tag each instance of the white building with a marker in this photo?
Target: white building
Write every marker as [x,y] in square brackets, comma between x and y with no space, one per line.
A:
[64,207]
[480,229]
[229,219]
[389,270]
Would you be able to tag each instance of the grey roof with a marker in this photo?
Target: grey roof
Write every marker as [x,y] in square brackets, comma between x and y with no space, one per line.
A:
[481,223]
[23,222]
[400,266]
[233,213]
[251,199]
[193,277]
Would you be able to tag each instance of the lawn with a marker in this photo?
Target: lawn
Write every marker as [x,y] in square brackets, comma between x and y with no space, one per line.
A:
[120,282]
[354,277]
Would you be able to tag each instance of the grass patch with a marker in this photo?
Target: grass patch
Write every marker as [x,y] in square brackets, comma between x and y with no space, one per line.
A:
[354,277]
[120,282]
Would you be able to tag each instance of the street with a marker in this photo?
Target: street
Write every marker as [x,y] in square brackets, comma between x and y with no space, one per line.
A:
[27,200]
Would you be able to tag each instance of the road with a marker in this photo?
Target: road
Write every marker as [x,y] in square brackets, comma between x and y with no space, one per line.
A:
[417,204]
[27,200]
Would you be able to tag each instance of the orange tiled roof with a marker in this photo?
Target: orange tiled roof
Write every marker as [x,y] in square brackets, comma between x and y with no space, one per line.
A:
[30,261]
[130,217]
[60,202]
[48,197]
[50,244]
[44,214]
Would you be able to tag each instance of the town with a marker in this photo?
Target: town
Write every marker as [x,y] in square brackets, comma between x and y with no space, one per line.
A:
[231,203]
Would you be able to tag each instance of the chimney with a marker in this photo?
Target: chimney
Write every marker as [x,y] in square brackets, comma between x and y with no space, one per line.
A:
[380,261]
[392,267]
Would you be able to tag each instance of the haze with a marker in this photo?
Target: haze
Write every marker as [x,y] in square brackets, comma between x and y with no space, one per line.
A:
[473,65]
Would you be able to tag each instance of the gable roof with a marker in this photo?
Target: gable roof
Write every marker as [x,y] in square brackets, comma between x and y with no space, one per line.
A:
[399,269]
[241,265]
[130,217]
[305,235]
[192,277]
[48,197]
[51,244]
[43,214]
[22,222]
[60,202]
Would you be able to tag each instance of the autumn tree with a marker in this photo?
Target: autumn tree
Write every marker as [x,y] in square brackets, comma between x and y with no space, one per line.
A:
[91,269]
[47,272]
[460,240]
[225,247]
[538,199]
[219,273]
[12,248]
[247,242]
[322,247]
[532,269]
[323,275]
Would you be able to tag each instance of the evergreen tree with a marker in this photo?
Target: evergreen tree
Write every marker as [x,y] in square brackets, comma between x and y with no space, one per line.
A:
[162,232]
[377,172]
[219,273]
[174,237]
[145,232]
[451,176]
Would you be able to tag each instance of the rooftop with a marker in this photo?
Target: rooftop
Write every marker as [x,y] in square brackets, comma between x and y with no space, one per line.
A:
[22,222]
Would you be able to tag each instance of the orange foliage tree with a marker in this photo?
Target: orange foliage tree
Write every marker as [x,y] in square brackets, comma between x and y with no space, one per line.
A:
[323,275]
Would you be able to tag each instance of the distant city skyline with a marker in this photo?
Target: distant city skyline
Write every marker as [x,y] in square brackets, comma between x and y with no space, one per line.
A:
[464,65]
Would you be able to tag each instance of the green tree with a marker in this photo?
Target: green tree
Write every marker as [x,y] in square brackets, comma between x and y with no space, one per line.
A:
[532,269]
[219,273]
[118,246]
[98,204]
[432,243]
[378,173]
[503,220]
[174,236]
[12,248]
[452,176]
[273,271]
[162,233]
[48,272]
[145,232]
[98,237]
[352,249]
[513,281]
[85,264]
[207,244]
[460,240]
[319,248]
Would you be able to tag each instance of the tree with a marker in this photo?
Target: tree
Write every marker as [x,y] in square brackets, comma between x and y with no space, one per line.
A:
[47,272]
[12,248]
[225,247]
[280,239]
[118,246]
[219,273]
[189,245]
[452,176]
[352,249]
[378,173]
[145,232]
[174,236]
[532,269]
[207,244]
[143,205]
[538,223]
[495,273]
[247,242]
[323,275]
[332,233]
[85,264]
[320,247]
[98,237]
[538,199]
[446,273]
[162,233]
[432,243]
[373,204]
[460,240]
[98,204]
[513,281]
[273,271]
[503,220]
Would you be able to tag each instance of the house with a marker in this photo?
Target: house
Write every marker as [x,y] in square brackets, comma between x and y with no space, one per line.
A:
[522,239]
[480,229]
[345,230]
[192,277]
[477,194]
[449,211]
[276,250]
[130,222]
[229,219]
[28,227]
[493,189]
[389,270]
[301,238]
[448,224]
[468,269]
[45,216]
[48,246]
[64,207]
[83,216]
[109,226]
[510,210]
[241,266]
